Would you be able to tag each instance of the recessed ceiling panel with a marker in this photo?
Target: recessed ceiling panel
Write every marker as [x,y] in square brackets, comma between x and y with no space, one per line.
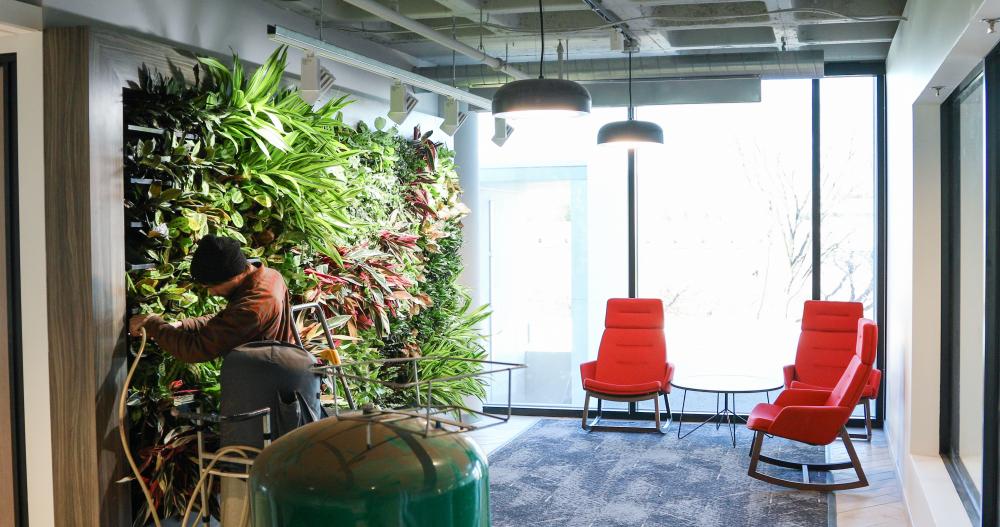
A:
[728,37]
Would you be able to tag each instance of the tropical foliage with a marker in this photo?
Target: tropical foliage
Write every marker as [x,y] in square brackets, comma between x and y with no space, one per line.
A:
[362,220]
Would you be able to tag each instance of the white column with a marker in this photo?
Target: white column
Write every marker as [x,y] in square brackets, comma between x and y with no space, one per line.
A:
[467,161]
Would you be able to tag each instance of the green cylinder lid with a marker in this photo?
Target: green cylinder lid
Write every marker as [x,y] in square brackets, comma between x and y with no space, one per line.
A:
[378,469]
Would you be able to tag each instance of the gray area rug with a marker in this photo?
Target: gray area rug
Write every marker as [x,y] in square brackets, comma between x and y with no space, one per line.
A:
[555,473]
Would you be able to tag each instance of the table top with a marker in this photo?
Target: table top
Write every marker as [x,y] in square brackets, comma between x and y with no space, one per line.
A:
[727,383]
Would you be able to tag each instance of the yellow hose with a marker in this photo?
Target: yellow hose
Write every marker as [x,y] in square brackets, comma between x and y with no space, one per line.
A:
[122,400]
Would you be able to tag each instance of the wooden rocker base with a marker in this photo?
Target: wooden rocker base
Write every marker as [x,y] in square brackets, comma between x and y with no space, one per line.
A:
[805,484]
[595,426]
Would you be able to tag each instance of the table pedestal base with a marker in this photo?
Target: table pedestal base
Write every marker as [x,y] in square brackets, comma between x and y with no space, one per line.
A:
[726,415]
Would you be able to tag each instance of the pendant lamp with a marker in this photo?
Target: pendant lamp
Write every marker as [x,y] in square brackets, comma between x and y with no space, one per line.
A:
[630,133]
[541,97]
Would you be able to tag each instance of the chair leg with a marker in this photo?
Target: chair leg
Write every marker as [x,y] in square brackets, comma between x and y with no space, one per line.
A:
[805,484]
[595,424]
[656,411]
[867,436]
[851,453]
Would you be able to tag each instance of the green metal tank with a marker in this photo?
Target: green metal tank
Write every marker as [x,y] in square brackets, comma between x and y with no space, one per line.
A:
[370,469]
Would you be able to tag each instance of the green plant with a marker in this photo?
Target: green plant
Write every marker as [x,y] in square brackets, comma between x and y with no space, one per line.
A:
[363,220]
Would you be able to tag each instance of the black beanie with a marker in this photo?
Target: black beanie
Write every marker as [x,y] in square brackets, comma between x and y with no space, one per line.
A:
[216,260]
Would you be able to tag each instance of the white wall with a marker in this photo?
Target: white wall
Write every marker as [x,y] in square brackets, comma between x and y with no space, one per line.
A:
[938,45]
[25,22]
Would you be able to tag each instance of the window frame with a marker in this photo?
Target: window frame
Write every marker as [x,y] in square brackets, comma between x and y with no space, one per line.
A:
[982,507]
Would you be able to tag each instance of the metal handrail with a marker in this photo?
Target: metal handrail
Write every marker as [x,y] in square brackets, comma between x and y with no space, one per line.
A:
[435,420]
[317,310]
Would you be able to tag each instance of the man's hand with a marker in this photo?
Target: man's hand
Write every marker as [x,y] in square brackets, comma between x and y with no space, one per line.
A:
[136,323]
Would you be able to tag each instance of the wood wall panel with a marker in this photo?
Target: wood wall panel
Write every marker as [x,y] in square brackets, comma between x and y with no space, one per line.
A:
[107,222]
[70,295]
[85,71]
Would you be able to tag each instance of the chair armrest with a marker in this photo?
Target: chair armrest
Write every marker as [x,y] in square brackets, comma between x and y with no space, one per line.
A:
[789,372]
[875,381]
[802,397]
[588,370]
[669,376]
[816,425]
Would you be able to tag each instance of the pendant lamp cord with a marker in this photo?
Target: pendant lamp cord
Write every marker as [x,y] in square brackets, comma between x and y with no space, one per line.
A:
[541,28]
[631,109]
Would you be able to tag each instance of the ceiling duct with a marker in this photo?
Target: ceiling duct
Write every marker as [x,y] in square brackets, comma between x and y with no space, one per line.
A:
[429,33]
[763,65]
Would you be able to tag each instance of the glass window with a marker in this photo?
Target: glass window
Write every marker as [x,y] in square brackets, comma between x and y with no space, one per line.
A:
[724,232]
[847,190]
[970,297]
[556,249]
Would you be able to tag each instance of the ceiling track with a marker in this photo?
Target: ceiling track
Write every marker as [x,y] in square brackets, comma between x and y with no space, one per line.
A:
[612,18]
[323,49]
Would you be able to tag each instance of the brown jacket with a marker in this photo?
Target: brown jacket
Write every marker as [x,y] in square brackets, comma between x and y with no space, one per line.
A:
[257,310]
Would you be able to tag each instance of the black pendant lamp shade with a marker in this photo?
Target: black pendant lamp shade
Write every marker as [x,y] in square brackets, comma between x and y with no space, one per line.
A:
[630,133]
[541,97]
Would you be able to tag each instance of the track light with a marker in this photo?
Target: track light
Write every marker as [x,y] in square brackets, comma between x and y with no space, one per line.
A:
[315,79]
[454,118]
[401,102]
[501,131]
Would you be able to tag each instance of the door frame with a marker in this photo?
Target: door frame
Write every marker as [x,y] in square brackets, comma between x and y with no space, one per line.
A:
[10,272]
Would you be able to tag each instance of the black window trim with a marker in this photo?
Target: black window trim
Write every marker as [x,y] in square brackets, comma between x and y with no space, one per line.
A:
[982,507]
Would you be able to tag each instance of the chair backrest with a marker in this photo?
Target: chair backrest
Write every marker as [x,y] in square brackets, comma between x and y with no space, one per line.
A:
[267,374]
[847,392]
[827,341]
[633,349]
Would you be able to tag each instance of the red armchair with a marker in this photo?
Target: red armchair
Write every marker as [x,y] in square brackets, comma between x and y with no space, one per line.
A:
[826,346]
[817,417]
[631,362]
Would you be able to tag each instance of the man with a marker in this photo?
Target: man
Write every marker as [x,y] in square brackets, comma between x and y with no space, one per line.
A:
[257,307]
[256,310]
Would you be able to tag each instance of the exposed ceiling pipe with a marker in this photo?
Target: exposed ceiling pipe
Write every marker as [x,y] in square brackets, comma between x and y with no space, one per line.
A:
[429,33]
[765,65]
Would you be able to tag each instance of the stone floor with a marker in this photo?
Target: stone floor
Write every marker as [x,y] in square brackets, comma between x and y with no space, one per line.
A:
[878,505]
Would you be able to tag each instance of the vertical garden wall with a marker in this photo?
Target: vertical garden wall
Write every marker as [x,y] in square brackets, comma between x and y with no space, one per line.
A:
[365,221]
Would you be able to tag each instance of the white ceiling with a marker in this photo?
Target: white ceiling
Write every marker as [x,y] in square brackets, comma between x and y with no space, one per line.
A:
[842,29]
